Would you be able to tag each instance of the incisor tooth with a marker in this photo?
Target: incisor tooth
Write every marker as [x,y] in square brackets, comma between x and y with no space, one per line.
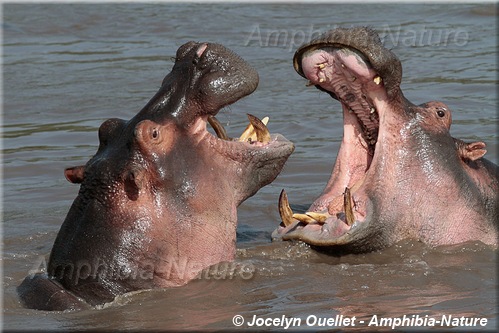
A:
[303,218]
[321,66]
[284,209]
[319,217]
[322,79]
[256,130]
[377,79]
[347,206]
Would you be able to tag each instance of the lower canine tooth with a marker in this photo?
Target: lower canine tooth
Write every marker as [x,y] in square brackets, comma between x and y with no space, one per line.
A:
[218,127]
[256,130]
[284,209]
[347,206]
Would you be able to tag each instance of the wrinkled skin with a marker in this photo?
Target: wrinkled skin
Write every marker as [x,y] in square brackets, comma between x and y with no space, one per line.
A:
[157,202]
[398,173]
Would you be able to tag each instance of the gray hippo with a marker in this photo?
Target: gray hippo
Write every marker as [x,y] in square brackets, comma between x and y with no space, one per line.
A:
[398,174]
[158,201]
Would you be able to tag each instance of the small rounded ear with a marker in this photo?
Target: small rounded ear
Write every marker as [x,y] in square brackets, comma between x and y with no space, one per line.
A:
[470,151]
[109,130]
[153,137]
[75,174]
[475,150]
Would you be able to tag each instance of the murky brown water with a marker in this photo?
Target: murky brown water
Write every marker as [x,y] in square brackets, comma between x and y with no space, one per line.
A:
[67,68]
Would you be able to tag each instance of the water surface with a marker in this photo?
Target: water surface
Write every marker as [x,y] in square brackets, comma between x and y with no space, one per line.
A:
[67,68]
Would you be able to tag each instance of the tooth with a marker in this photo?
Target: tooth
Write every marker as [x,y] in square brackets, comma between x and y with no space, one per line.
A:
[319,217]
[303,218]
[218,127]
[249,133]
[373,110]
[284,209]
[347,206]
[322,79]
[256,130]
[262,132]
[321,66]
[377,79]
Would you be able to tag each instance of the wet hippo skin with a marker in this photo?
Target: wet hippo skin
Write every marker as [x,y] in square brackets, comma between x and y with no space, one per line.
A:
[158,201]
[399,174]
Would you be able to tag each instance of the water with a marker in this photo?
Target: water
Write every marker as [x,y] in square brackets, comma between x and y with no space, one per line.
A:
[67,68]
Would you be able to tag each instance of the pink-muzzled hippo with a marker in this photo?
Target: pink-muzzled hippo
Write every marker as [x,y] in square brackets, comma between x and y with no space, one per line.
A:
[158,201]
[399,174]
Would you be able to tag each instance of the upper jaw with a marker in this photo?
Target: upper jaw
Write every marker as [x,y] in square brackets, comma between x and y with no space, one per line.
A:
[224,77]
[349,77]
[205,78]
[366,42]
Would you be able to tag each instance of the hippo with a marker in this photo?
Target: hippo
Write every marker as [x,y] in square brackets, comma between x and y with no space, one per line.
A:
[399,174]
[158,201]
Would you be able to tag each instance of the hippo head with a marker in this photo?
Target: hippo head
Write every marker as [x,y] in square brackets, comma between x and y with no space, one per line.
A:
[393,159]
[158,200]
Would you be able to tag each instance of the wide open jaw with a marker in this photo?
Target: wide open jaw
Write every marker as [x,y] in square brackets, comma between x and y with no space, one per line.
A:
[343,208]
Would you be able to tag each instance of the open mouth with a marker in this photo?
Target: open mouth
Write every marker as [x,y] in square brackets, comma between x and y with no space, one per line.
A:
[346,75]
[256,133]
[232,83]
[254,146]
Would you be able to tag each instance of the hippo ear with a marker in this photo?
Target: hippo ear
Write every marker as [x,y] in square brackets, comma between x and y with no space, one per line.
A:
[154,137]
[75,174]
[474,150]
[470,151]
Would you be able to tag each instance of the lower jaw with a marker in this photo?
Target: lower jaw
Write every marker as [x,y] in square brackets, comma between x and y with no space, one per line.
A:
[342,205]
[344,214]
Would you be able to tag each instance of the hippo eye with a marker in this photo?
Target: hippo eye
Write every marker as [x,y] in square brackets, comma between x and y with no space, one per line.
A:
[441,113]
